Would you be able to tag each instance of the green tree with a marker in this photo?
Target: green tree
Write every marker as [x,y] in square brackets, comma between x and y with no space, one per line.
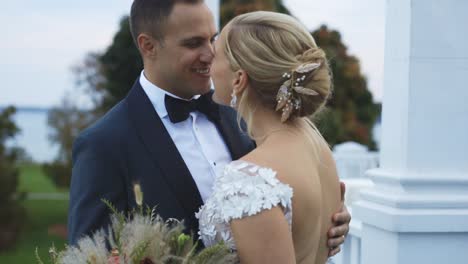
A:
[351,111]
[106,77]
[12,213]
[109,76]
[66,122]
[231,8]
[350,114]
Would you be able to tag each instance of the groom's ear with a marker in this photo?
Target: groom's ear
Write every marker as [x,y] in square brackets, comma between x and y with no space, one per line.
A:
[147,45]
[240,82]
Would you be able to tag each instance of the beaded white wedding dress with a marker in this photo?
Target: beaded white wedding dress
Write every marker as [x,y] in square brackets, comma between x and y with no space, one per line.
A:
[244,189]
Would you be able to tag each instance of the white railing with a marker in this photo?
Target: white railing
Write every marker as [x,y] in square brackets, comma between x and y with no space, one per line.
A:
[352,161]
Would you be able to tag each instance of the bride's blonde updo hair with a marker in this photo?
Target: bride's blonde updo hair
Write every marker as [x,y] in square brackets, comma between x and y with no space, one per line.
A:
[267,45]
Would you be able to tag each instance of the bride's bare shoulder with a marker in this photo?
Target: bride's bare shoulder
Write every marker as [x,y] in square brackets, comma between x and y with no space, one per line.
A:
[263,156]
[275,157]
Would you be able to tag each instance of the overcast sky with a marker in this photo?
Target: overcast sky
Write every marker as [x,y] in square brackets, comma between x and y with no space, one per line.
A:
[42,40]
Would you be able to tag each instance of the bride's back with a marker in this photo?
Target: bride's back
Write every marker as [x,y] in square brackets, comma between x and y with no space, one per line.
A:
[304,161]
[276,75]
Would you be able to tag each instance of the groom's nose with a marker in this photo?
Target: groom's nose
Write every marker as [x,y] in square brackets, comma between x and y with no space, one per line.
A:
[207,54]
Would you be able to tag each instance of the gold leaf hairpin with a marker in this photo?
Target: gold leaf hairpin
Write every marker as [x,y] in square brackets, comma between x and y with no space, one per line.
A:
[308,67]
[305,91]
[288,101]
[287,111]
[283,95]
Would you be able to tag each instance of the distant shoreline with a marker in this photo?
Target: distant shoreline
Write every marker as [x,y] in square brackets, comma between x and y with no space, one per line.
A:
[30,109]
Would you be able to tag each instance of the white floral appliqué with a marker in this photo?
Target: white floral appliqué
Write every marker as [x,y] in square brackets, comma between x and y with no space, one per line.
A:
[244,189]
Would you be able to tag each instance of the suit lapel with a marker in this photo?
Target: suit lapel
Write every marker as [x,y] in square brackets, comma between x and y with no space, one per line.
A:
[163,151]
[237,141]
[229,130]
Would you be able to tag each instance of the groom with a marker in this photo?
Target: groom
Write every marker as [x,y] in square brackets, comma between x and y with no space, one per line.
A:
[166,134]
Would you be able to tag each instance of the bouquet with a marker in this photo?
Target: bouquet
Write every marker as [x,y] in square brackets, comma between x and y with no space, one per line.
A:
[141,237]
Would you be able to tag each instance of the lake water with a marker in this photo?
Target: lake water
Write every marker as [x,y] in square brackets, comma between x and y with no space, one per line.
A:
[33,137]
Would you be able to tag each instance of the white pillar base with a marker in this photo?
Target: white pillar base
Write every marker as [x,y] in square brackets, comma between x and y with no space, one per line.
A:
[409,219]
[384,247]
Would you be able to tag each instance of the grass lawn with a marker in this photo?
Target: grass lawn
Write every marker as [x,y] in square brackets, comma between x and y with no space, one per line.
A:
[32,179]
[41,214]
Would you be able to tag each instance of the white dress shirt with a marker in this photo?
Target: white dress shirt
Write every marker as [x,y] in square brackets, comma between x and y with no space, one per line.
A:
[197,139]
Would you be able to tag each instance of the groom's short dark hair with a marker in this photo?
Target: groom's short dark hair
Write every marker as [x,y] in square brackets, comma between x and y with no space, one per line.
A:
[150,16]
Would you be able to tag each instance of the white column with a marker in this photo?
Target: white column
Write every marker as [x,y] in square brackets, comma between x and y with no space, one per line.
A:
[214,7]
[417,211]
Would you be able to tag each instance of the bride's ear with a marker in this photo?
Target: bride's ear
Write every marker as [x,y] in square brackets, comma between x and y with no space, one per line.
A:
[240,82]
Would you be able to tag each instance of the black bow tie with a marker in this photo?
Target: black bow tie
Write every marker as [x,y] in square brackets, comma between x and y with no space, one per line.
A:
[179,110]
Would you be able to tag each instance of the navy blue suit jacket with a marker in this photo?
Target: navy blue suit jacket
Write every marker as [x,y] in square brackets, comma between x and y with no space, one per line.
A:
[130,144]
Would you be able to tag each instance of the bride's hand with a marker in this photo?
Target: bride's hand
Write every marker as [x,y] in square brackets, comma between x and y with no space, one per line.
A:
[340,228]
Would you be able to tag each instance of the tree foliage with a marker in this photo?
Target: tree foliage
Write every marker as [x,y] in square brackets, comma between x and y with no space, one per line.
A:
[350,115]
[110,75]
[231,8]
[12,213]
[351,111]
[66,122]
[107,77]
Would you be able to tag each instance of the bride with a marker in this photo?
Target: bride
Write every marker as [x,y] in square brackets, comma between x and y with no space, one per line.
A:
[274,205]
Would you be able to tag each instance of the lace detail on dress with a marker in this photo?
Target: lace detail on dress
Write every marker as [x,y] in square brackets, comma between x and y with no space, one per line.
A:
[244,189]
